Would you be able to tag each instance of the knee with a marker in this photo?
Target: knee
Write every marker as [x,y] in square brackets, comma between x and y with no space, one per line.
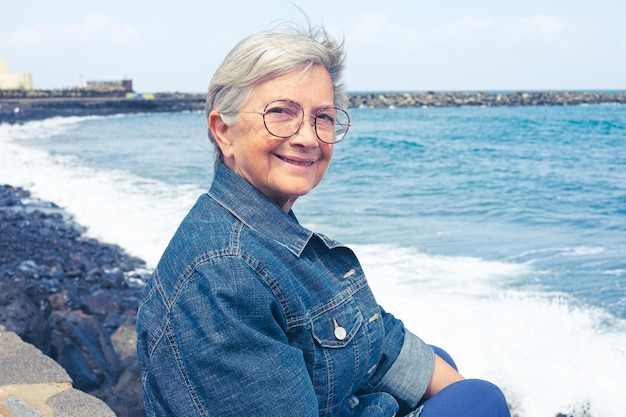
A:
[487,397]
[468,398]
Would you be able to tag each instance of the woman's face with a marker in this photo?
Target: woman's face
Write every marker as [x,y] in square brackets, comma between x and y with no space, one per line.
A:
[283,169]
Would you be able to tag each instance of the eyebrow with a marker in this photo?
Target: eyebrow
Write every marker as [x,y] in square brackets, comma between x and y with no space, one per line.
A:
[315,108]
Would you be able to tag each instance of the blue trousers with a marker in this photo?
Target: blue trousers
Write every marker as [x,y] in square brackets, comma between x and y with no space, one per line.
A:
[466,398]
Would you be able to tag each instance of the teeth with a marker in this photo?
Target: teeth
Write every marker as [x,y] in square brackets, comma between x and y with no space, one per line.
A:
[294,162]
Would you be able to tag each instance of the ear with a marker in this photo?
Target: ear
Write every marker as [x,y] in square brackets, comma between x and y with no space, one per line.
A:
[219,130]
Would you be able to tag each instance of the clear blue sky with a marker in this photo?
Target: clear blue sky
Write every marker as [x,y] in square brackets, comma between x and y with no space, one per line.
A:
[392,45]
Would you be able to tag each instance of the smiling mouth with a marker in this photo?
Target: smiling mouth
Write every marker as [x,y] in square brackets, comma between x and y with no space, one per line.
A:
[300,163]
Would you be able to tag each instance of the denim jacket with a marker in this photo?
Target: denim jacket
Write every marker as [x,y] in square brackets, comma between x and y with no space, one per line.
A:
[249,313]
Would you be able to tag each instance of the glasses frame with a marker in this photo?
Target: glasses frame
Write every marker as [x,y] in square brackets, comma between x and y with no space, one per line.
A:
[314,120]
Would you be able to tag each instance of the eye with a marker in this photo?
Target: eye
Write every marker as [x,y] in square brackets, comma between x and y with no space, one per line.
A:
[284,109]
[277,110]
[326,116]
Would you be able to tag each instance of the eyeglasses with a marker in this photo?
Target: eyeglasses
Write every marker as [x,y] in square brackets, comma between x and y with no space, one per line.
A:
[283,119]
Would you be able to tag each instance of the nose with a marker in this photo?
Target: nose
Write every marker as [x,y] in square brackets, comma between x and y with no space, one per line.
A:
[306,136]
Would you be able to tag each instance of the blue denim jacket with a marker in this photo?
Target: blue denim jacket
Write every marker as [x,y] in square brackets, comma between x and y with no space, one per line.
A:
[249,313]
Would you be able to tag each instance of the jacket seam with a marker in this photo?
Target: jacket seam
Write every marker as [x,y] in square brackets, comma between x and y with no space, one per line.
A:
[344,296]
[179,362]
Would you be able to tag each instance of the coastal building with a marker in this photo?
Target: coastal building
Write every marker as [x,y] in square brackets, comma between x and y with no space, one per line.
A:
[14,81]
[117,85]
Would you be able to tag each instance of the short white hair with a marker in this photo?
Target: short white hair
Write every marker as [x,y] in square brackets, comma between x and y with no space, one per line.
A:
[266,55]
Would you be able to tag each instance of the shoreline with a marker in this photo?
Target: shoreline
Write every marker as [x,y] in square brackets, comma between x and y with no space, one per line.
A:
[21,110]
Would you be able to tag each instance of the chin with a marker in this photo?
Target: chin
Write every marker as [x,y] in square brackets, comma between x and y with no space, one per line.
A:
[301,191]
[300,188]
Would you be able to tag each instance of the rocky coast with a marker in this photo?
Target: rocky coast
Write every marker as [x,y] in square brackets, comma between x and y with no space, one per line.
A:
[75,300]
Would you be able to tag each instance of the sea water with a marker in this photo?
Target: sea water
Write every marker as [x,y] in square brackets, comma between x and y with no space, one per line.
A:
[498,234]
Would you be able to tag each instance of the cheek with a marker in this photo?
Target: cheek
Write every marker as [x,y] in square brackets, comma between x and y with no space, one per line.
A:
[327,152]
[245,140]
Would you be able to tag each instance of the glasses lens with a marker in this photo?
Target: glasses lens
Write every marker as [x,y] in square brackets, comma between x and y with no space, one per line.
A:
[331,124]
[282,118]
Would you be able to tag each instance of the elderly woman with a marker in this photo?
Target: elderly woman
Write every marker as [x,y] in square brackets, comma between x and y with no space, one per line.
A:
[249,313]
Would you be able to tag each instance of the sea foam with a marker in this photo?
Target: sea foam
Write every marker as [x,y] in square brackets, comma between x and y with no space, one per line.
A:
[549,353]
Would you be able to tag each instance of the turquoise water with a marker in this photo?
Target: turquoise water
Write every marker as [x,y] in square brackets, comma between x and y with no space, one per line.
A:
[498,233]
[545,186]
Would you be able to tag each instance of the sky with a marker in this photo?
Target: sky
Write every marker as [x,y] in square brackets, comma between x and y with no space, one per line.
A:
[392,45]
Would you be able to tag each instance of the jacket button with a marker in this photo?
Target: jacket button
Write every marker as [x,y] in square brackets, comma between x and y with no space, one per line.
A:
[340,333]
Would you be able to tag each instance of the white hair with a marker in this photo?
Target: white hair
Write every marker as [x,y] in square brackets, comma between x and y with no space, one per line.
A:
[266,55]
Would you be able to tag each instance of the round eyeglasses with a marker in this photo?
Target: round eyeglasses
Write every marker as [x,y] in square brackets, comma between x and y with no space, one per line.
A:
[283,119]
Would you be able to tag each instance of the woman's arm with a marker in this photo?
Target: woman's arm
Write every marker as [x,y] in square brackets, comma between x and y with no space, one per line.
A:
[443,375]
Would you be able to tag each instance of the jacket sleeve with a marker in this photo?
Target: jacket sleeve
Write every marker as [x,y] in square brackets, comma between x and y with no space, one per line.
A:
[223,352]
[406,365]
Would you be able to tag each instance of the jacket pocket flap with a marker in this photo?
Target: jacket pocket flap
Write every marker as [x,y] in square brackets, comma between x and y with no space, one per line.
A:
[335,328]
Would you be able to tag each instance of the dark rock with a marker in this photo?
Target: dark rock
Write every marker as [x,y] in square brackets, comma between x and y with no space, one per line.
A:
[101,303]
[70,297]
[25,310]
[83,347]
[125,398]
[126,394]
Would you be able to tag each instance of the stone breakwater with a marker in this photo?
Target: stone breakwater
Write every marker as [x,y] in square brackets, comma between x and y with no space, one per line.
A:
[19,110]
[75,300]
[461,99]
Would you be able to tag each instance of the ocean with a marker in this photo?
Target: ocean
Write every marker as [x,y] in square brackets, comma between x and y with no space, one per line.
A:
[498,234]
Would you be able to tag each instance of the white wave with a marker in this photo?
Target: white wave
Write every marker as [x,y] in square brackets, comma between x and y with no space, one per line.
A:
[546,351]
[42,129]
[584,250]
[115,206]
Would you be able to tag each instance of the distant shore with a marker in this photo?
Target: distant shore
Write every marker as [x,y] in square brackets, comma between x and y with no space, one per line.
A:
[20,110]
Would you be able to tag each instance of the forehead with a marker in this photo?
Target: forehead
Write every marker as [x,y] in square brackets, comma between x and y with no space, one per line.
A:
[311,87]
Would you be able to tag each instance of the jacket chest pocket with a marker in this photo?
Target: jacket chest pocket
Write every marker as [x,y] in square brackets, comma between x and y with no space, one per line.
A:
[337,327]
[339,355]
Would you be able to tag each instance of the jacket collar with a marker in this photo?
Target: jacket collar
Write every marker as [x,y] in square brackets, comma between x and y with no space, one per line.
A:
[257,212]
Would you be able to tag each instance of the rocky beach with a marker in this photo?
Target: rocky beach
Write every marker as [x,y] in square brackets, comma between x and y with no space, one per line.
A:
[72,297]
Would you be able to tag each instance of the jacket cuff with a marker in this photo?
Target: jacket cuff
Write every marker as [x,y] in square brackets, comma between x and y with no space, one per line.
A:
[409,376]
